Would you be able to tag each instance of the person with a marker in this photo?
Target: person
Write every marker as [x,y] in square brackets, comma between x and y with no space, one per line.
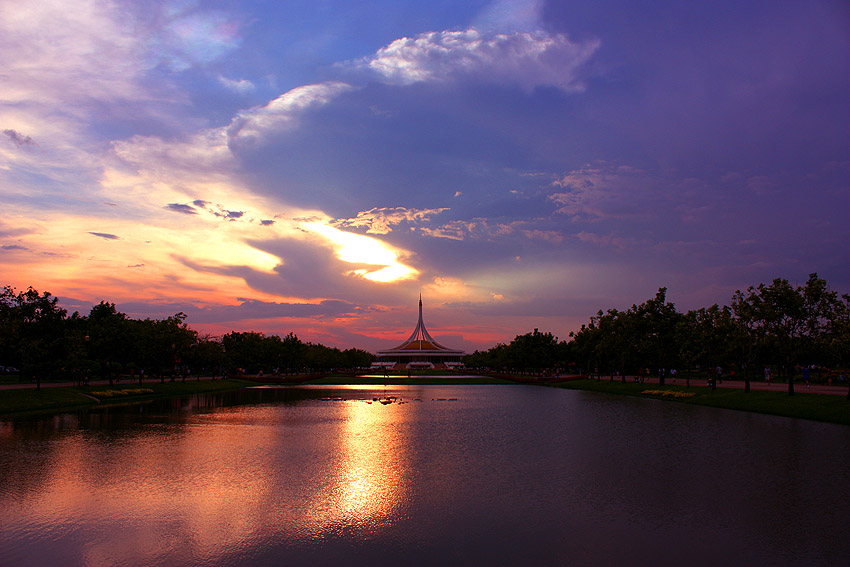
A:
[767,375]
[673,374]
[806,375]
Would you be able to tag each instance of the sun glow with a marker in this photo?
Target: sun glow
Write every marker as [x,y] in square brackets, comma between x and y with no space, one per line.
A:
[383,260]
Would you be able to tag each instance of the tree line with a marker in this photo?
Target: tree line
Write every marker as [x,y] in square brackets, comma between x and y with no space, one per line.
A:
[42,341]
[772,327]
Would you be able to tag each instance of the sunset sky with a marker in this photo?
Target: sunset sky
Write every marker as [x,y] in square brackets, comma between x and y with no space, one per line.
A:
[313,166]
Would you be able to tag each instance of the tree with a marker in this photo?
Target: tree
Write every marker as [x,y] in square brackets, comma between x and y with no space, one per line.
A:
[207,356]
[787,321]
[656,331]
[533,351]
[33,332]
[107,341]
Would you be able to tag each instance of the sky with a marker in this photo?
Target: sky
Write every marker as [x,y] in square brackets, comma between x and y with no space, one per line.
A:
[314,166]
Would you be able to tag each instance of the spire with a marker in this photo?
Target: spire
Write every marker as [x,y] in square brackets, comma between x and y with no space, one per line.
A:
[420,340]
[420,335]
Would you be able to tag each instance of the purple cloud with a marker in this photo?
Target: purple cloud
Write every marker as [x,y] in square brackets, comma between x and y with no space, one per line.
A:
[19,139]
[105,235]
[181,208]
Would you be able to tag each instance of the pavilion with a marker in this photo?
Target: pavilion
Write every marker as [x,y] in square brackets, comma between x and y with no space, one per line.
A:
[419,351]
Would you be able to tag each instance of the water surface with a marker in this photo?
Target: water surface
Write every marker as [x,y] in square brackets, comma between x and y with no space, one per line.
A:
[502,475]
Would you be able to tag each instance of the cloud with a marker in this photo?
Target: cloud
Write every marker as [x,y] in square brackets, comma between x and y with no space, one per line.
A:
[19,139]
[56,52]
[14,231]
[105,235]
[476,228]
[281,114]
[193,37]
[550,236]
[380,220]
[242,86]
[606,240]
[605,191]
[523,59]
[181,208]
[246,309]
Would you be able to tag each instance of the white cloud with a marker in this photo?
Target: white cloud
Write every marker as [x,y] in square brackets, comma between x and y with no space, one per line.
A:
[241,86]
[525,59]
[282,113]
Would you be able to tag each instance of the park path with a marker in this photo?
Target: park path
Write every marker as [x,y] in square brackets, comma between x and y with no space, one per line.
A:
[799,386]
[125,382]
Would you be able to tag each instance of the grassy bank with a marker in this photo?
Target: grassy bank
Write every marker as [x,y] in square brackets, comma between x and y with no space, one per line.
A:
[817,407]
[51,400]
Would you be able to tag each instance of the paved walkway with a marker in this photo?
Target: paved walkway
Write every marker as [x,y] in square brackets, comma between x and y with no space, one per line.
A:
[125,382]
[799,386]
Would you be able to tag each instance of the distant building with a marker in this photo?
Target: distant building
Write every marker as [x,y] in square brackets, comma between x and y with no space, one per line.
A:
[419,351]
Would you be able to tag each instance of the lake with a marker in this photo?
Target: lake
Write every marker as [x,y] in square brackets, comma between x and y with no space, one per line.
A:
[444,475]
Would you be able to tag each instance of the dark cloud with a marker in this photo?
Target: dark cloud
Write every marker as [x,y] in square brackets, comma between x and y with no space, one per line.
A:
[266,222]
[247,309]
[105,235]
[200,203]
[19,139]
[459,145]
[181,208]
[137,266]
[8,231]
[13,247]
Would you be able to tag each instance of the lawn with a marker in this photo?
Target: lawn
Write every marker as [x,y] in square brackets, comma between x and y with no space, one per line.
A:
[47,400]
[817,407]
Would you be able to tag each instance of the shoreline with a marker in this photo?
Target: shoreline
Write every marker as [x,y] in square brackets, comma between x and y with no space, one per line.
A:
[818,403]
[18,401]
[828,407]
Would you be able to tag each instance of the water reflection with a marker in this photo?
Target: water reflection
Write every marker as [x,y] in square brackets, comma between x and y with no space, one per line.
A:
[371,474]
[504,475]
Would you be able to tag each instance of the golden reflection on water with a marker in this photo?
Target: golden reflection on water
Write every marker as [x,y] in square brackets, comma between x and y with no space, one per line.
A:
[222,481]
[370,480]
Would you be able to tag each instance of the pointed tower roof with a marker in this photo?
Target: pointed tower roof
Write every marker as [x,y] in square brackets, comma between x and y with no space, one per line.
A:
[421,340]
